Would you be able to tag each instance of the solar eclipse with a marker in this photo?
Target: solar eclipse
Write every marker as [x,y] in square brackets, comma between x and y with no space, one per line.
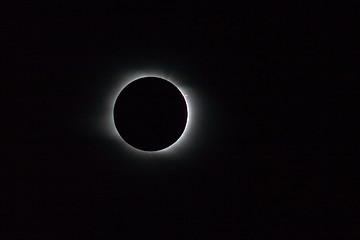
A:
[106,123]
[150,114]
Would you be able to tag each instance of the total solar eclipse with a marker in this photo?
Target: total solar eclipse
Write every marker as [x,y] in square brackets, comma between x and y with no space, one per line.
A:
[150,114]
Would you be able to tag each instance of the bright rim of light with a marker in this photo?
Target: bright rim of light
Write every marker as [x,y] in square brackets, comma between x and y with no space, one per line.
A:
[121,83]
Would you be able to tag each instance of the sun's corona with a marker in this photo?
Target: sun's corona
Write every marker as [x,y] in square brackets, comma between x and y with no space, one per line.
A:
[184,140]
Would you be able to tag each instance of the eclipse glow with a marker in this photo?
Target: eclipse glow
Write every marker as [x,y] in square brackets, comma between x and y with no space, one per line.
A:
[108,125]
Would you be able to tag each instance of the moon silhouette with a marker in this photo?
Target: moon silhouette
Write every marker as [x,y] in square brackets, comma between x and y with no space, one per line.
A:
[150,114]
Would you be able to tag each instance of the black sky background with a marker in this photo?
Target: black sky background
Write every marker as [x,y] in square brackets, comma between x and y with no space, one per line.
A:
[275,154]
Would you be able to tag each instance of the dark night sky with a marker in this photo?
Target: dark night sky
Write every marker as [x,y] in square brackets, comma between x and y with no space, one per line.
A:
[274,153]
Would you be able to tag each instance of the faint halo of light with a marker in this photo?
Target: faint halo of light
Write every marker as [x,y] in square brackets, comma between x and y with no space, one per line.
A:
[183,141]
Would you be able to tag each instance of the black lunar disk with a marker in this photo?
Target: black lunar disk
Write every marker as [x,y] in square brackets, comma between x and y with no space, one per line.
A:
[150,114]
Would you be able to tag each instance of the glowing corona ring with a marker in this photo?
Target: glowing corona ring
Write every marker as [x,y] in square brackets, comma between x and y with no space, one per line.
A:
[109,125]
